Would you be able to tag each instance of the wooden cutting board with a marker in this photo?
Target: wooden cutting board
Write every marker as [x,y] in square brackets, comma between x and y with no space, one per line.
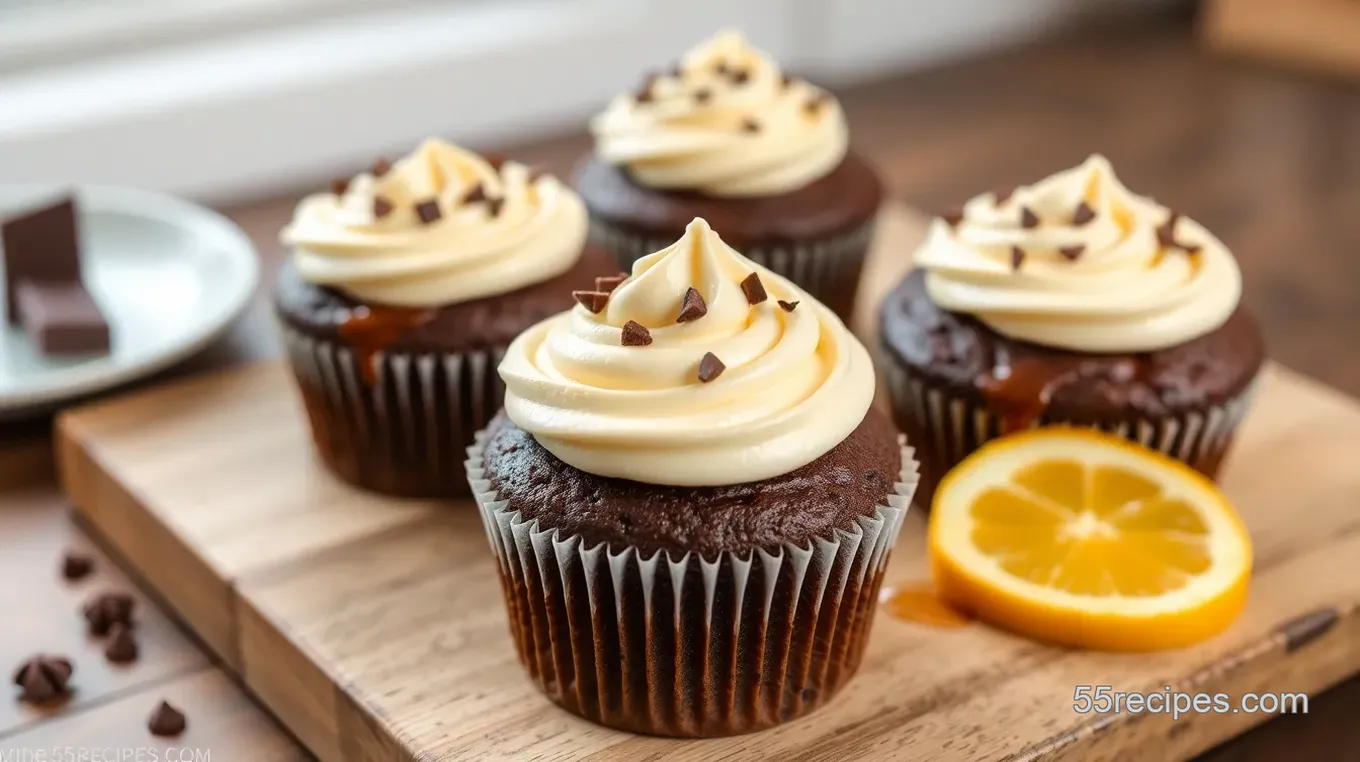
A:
[375,630]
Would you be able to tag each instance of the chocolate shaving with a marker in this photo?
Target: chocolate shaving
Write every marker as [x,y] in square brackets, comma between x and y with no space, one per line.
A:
[1017,257]
[340,186]
[750,126]
[44,678]
[428,211]
[1028,219]
[740,77]
[166,721]
[591,300]
[107,609]
[635,334]
[1072,252]
[710,367]
[703,95]
[788,306]
[476,195]
[381,207]
[692,307]
[953,216]
[1003,195]
[608,283]
[494,205]
[754,289]
[1083,214]
[122,647]
[381,167]
[76,566]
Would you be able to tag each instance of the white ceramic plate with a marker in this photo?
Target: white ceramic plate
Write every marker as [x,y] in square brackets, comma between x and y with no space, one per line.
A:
[168,275]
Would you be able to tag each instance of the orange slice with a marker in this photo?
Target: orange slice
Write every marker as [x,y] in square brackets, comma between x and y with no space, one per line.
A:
[1082,538]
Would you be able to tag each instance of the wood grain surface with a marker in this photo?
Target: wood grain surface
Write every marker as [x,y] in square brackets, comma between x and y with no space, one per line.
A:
[375,629]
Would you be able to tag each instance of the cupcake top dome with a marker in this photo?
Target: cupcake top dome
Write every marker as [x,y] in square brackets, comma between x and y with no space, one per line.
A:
[726,122]
[440,226]
[701,368]
[1076,261]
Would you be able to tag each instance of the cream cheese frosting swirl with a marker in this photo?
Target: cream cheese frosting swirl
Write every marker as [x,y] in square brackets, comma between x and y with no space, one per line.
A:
[438,227]
[1077,261]
[795,383]
[727,122]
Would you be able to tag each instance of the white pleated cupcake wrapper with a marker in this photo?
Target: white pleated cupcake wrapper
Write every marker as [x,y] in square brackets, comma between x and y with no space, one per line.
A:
[821,267]
[690,646]
[405,432]
[952,427]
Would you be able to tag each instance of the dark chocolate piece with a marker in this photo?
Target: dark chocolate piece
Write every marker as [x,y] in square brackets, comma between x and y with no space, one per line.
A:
[122,647]
[635,334]
[710,367]
[107,609]
[166,721]
[692,307]
[740,76]
[428,211]
[703,95]
[591,300]
[608,283]
[1017,257]
[381,167]
[750,126]
[76,565]
[1028,219]
[644,93]
[754,289]
[1083,214]
[44,678]
[381,207]
[1072,252]
[494,205]
[339,186]
[62,318]
[788,306]
[815,103]
[476,195]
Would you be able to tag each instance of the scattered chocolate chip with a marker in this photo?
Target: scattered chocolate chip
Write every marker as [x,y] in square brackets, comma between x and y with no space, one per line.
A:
[339,186]
[122,647]
[76,565]
[750,126]
[703,95]
[644,93]
[788,306]
[1028,219]
[166,721]
[635,334]
[608,283]
[1083,214]
[1166,232]
[1003,195]
[494,206]
[428,211]
[1017,257]
[754,289]
[953,216]
[710,367]
[1072,252]
[44,678]
[476,195]
[740,77]
[107,609]
[692,307]
[591,300]
[381,167]
[381,207]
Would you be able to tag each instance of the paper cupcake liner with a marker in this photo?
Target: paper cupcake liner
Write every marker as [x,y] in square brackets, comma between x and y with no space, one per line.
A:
[690,646]
[827,268]
[403,429]
[948,427]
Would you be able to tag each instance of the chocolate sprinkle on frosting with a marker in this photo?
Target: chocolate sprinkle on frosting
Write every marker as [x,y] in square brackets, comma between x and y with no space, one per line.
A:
[339,186]
[381,207]
[703,95]
[750,126]
[644,93]
[493,206]
[1072,252]
[591,300]
[1028,219]
[692,307]
[428,211]
[476,195]
[635,334]
[1083,214]
[740,77]
[608,283]
[710,367]
[381,167]
[754,289]
[788,306]
[1017,257]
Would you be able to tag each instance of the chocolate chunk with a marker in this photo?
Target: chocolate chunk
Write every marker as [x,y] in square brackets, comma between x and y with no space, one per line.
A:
[740,76]
[750,126]
[381,167]
[608,283]
[1003,195]
[107,609]
[381,207]
[1028,219]
[340,186]
[62,318]
[710,367]
[76,565]
[644,93]
[953,216]
[122,647]
[1083,214]
[594,301]
[692,307]
[476,195]
[428,211]
[494,206]
[44,678]
[166,721]
[754,289]
[635,334]
[703,95]
[788,306]
[1017,257]
[1072,252]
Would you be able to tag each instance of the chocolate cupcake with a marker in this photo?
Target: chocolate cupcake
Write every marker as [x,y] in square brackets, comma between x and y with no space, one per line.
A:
[406,285]
[1070,301]
[764,157]
[690,498]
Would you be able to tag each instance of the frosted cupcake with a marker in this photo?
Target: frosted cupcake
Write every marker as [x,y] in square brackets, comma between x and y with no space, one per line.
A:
[728,137]
[1073,301]
[691,498]
[405,287]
